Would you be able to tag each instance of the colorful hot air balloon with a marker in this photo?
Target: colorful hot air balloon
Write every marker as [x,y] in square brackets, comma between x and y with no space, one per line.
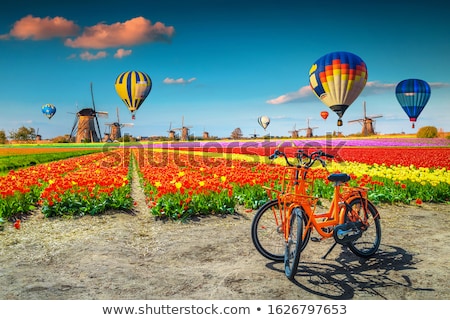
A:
[324,115]
[264,121]
[337,79]
[133,87]
[413,95]
[48,110]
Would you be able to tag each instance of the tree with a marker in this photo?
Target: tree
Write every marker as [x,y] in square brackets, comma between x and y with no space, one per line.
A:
[23,134]
[2,137]
[236,134]
[427,132]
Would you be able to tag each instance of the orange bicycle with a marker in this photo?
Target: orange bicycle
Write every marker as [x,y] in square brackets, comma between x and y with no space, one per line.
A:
[281,228]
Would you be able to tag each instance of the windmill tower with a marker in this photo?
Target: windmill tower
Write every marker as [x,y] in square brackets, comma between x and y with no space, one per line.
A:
[86,126]
[171,132]
[205,134]
[114,132]
[309,130]
[294,132]
[254,135]
[184,130]
[366,122]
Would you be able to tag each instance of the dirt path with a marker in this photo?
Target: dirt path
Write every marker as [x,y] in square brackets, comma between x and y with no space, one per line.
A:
[132,256]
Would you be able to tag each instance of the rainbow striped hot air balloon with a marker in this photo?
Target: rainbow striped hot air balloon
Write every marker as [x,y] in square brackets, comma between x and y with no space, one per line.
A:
[413,95]
[133,87]
[337,79]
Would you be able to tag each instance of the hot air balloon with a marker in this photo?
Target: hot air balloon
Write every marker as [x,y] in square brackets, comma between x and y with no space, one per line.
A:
[264,121]
[324,115]
[413,95]
[337,79]
[133,87]
[48,110]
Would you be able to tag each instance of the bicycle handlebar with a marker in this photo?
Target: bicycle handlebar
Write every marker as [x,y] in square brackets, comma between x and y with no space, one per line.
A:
[312,158]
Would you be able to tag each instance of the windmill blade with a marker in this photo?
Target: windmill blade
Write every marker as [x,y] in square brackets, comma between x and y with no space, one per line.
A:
[127,124]
[96,118]
[102,114]
[117,111]
[353,121]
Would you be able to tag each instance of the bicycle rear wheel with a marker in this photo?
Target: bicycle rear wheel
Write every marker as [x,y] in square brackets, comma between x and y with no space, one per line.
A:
[267,233]
[369,242]
[294,245]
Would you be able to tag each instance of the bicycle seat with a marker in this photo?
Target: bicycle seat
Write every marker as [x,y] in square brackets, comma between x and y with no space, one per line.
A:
[339,177]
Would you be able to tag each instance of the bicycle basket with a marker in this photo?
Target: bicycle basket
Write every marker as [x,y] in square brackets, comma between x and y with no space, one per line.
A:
[296,181]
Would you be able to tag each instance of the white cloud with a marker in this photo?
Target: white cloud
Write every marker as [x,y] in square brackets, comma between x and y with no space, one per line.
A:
[120,53]
[178,81]
[89,56]
[301,93]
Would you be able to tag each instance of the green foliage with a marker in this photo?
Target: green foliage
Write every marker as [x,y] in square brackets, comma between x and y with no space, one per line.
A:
[251,197]
[427,132]
[19,203]
[2,137]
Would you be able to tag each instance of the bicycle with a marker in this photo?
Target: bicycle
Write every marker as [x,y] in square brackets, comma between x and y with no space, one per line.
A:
[281,228]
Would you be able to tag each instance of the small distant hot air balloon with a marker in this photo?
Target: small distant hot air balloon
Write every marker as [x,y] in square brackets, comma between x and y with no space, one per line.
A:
[48,110]
[337,79]
[413,95]
[324,115]
[133,87]
[264,121]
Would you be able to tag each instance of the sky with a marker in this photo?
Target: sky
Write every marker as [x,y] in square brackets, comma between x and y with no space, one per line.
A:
[218,65]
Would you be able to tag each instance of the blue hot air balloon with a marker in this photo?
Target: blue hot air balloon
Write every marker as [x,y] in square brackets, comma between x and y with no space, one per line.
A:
[337,79]
[48,110]
[413,95]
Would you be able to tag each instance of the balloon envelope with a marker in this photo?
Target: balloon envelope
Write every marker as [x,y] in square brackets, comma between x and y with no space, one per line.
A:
[324,115]
[264,121]
[413,95]
[48,110]
[337,79]
[133,87]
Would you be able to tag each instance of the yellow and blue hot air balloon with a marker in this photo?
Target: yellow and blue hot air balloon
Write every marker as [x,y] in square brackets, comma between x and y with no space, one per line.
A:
[133,87]
[337,79]
[264,121]
[48,110]
[413,95]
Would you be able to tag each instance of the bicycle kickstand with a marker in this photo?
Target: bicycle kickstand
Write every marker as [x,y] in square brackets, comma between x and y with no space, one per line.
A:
[329,250]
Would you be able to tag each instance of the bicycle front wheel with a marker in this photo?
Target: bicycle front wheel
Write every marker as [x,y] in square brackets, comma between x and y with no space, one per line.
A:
[294,245]
[370,240]
[267,231]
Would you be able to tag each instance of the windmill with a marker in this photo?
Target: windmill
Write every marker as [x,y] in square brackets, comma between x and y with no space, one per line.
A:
[114,132]
[294,132]
[184,130]
[309,130]
[366,122]
[254,135]
[205,134]
[86,126]
[172,134]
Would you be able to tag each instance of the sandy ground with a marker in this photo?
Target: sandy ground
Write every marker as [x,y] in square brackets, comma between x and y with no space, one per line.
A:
[133,256]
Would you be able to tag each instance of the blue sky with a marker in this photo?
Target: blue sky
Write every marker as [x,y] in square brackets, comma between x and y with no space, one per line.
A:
[218,64]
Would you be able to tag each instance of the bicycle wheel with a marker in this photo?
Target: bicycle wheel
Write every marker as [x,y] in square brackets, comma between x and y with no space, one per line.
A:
[370,240]
[267,233]
[294,245]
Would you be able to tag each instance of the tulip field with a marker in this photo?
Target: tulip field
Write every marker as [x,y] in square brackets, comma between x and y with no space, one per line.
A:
[184,179]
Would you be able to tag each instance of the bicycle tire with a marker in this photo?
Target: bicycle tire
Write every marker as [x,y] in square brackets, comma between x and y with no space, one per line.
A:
[294,245]
[267,236]
[369,242]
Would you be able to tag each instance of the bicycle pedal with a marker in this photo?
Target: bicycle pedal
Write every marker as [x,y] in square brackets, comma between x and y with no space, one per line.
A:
[315,239]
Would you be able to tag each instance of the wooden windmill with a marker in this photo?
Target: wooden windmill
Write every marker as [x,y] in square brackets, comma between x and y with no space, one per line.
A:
[309,130]
[114,132]
[205,134]
[254,135]
[294,132]
[184,130]
[86,127]
[172,133]
[366,122]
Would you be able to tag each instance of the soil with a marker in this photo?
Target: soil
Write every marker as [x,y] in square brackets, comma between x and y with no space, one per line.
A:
[133,256]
